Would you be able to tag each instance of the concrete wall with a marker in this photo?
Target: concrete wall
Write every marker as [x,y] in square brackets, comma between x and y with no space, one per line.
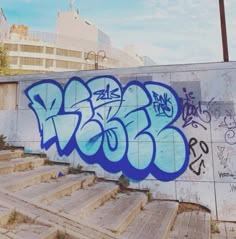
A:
[168,128]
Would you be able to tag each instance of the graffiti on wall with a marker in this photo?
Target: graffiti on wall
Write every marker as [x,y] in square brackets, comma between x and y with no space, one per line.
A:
[197,166]
[124,129]
[229,123]
[195,114]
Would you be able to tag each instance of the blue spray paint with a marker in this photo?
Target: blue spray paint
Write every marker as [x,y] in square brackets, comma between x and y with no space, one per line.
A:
[128,129]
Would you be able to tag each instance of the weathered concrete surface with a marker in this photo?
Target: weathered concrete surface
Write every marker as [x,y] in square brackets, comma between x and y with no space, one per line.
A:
[20,164]
[211,170]
[56,188]
[82,202]
[155,221]
[191,225]
[224,230]
[19,180]
[10,154]
[77,206]
[118,212]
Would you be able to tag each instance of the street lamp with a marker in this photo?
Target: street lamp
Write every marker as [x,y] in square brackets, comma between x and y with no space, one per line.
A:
[101,53]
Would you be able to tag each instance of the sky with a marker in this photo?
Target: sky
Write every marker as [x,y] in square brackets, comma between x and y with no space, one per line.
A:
[168,31]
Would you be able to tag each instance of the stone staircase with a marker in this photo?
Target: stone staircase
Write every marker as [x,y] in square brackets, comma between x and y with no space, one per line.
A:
[41,201]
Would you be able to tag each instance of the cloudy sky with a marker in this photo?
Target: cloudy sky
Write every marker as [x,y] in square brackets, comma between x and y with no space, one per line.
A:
[169,31]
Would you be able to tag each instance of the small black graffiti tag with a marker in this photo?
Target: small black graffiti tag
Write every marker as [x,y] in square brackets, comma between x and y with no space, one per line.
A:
[199,163]
[193,113]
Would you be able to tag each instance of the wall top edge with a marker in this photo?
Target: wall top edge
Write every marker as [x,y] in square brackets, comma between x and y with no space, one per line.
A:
[124,71]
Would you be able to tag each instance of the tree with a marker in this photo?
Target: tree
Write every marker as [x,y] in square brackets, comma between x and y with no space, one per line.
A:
[4,63]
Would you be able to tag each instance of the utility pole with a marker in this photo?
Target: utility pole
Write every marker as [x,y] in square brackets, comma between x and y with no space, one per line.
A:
[223,31]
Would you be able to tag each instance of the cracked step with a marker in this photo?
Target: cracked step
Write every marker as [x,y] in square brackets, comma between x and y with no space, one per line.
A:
[85,200]
[20,164]
[47,192]
[19,180]
[153,222]
[116,214]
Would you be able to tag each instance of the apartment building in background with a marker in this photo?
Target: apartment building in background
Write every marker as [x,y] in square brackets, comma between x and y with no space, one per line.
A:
[73,46]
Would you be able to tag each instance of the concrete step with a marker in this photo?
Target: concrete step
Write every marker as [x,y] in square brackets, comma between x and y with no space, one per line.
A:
[19,180]
[74,229]
[192,225]
[82,202]
[20,164]
[18,226]
[47,192]
[116,214]
[154,222]
[10,154]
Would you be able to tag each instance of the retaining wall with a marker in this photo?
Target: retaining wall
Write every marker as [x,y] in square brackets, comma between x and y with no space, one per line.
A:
[170,129]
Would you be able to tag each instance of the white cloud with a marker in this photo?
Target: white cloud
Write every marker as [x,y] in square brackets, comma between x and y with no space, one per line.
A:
[184,30]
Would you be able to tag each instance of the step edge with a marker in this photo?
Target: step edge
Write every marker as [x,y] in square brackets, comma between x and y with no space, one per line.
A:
[129,215]
[15,187]
[90,206]
[70,186]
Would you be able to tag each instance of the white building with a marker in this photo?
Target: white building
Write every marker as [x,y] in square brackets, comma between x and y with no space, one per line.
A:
[65,50]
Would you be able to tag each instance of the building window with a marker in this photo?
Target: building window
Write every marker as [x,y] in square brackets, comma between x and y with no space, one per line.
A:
[30,48]
[77,54]
[61,64]
[69,65]
[74,65]
[70,53]
[49,50]
[31,61]
[13,60]
[11,47]
[49,63]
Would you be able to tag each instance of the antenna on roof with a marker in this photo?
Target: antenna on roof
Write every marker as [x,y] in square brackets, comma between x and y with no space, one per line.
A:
[71,5]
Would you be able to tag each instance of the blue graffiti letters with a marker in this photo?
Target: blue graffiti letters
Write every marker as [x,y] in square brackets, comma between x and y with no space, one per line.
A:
[162,105]
[124,129]
[106,93]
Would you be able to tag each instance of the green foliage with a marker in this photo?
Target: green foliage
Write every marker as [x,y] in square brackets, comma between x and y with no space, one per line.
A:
[2,141]
[76,170]
[4,61]
[215,227]
[123,182]
[149,195]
